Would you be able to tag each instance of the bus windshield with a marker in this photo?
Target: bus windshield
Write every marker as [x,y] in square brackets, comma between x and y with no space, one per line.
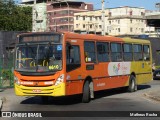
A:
[38,57]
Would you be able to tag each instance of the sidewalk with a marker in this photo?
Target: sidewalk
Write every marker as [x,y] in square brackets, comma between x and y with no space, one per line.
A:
[155,95]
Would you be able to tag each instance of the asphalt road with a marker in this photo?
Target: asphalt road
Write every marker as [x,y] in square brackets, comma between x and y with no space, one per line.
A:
[108,100]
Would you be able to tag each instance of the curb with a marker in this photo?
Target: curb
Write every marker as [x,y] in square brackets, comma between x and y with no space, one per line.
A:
[1,103]
[152,97]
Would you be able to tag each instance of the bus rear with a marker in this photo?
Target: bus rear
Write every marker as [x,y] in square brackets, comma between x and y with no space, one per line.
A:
[39,65]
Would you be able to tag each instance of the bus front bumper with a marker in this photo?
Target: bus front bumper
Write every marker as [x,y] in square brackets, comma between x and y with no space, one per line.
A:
[58,90]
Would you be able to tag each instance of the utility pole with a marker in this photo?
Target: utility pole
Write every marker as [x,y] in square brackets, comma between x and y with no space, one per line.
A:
[103,19]
[34,17]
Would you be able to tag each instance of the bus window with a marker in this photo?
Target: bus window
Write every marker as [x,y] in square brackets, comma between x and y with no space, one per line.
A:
[127,52]
[116,53]
[102,52]
[89,49]
[146,53]
[137,49]
[73,57]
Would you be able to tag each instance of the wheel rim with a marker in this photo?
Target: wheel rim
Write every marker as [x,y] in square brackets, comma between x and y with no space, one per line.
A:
[133,85]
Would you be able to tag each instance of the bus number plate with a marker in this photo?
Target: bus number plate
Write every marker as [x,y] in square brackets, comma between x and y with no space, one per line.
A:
[36,90]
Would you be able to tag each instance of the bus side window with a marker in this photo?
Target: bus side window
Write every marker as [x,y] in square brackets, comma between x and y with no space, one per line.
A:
[127,52]
[89,51]
[146,53]
[137,48]
[103,52]
[116,52]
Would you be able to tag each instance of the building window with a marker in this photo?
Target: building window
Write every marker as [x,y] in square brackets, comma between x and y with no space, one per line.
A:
[91,18]
[142,13]
[77,17]
[130,20]
[119,30]
[110,22]
[142,30]
[118,21]
[84,25]
[86,7]
[100,26]
[130,13]
[131,29]
[83,17]
[76,25]
[90,26]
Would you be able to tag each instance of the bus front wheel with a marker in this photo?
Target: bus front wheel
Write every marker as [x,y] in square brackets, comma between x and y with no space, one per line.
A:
[86,92]
[132,84]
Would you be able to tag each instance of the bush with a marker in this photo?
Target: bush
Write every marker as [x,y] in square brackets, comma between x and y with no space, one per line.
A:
[6,74]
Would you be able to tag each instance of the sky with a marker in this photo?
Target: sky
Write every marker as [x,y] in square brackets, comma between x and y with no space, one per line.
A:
[147,4]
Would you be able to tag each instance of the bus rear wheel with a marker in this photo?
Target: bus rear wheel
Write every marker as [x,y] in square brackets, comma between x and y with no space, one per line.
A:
[132,84]
[86,92]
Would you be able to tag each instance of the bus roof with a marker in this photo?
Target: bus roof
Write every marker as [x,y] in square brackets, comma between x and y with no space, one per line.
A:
[133,40]
[72,35]
[92,37]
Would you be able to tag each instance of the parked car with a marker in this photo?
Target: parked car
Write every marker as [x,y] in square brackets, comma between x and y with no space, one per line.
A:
[156,74]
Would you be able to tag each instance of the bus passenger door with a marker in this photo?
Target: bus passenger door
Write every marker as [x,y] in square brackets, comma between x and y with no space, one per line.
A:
[147,65]
[73,68]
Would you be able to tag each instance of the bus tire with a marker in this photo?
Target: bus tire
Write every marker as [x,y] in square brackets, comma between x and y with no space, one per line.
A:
[86,92]
[132,84]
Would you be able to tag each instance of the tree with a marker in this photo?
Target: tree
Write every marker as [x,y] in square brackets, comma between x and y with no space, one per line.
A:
[15,17]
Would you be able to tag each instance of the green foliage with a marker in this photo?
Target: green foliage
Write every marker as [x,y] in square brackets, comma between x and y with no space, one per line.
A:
[157,67]
[7,74]
[14,17]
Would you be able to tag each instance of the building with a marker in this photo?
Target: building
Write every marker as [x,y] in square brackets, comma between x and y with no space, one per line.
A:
[153,20]
[39,18]
[55,15]
[88,22]
[61,14]
[118,21]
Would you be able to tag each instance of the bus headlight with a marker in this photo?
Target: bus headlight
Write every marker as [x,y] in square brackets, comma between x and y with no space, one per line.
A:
[16,80]
[59,80]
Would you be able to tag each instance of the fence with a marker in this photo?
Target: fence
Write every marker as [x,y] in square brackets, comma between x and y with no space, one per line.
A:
[6,71]
[7,44]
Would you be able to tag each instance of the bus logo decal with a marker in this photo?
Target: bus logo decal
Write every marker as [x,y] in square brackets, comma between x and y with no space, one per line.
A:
[119,68]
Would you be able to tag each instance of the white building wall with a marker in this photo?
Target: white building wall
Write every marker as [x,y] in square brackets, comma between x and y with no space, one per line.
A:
[118,21]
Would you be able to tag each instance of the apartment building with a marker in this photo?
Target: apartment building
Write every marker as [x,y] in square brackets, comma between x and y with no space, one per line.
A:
[56,15]
[88,22]
[61,14]
[118,21]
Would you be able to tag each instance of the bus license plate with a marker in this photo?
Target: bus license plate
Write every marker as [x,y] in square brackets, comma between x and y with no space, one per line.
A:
[36,90]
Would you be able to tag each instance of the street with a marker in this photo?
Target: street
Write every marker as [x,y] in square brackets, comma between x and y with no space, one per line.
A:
[108,100]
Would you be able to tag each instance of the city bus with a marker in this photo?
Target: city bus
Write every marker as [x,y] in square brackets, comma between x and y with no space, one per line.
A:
[64,64]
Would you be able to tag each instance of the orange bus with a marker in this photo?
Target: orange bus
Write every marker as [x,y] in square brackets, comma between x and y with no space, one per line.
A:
[62,64]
